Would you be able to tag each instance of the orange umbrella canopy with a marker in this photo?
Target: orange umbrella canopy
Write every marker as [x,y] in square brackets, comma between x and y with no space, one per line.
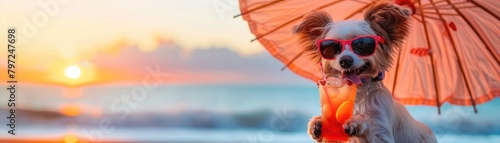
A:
[451,55]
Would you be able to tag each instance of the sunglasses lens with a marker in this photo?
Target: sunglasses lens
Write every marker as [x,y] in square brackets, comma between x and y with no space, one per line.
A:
[363,46]
[329,48]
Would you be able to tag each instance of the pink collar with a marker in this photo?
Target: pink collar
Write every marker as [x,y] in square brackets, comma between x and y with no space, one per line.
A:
[379,77]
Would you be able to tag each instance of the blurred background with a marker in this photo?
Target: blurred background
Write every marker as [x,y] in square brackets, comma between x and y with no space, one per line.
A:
[167,71]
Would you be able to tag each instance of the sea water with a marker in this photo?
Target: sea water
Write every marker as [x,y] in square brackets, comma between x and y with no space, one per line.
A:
[210,113]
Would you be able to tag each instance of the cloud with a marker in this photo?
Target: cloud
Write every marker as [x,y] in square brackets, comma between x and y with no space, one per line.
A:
[202,65]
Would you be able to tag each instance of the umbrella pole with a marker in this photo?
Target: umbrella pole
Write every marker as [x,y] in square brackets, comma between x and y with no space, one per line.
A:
[438,104]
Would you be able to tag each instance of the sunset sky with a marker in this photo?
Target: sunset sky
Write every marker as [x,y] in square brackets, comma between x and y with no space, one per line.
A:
[81,64]
[114,41]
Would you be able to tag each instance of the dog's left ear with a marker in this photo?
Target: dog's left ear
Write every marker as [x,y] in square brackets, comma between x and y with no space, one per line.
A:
[390,21]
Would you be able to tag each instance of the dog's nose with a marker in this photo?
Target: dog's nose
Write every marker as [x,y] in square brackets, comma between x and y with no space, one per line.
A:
[346,61]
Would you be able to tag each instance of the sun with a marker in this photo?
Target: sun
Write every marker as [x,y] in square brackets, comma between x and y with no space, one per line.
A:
[72,72]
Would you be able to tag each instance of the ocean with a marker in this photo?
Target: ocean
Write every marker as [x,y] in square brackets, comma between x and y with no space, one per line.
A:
[208,113]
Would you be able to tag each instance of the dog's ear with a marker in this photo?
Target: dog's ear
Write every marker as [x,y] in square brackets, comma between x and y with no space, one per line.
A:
[390,21]
[311,29]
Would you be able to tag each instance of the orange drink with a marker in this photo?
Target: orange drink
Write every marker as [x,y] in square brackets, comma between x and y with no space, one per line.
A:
[337,105]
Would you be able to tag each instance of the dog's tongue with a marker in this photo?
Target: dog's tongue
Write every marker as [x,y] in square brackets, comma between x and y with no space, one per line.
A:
[351,78]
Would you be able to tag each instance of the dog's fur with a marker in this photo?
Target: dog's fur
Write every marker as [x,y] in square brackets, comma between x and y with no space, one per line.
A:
[377,117]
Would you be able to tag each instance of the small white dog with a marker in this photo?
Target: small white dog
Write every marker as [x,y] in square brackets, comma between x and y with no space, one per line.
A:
[360,50]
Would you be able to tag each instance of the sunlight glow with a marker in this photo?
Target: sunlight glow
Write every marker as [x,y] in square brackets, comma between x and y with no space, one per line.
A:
[72,72]
[70,138]
[70,110]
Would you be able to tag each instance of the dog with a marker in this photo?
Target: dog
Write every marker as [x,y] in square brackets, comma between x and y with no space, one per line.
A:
[377,118]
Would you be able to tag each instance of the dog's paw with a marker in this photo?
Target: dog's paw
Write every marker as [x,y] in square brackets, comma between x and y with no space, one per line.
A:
[314,128]
[356,126]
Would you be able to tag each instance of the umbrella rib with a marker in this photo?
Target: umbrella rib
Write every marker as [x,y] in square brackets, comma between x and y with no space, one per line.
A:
[446,7]
[396,73]
[359,10]
[361,1]
[438,104]
[493,53]
[453,14]
[450,14]
[257,8]
[277,28]
[416,18]
[430,3]
[291,61]
[329,4]
[452,41]
[485,9]
[288,22]
[427,16]
[438,6]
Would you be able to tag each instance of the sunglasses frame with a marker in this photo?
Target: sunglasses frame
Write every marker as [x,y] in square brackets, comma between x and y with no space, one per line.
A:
[349,42]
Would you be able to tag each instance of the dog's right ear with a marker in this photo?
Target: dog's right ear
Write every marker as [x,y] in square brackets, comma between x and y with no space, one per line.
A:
[311,29]
[313,25]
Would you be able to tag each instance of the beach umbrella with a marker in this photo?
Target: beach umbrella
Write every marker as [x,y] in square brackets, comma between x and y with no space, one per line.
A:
[452,53]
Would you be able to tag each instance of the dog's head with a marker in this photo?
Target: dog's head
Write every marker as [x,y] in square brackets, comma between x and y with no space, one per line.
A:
[384,20]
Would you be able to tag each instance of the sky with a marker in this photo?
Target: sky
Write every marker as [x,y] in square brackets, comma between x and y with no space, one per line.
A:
[55,34]
[133,41]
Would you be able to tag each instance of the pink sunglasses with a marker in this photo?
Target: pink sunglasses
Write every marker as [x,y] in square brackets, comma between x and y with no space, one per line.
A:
[362,46]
